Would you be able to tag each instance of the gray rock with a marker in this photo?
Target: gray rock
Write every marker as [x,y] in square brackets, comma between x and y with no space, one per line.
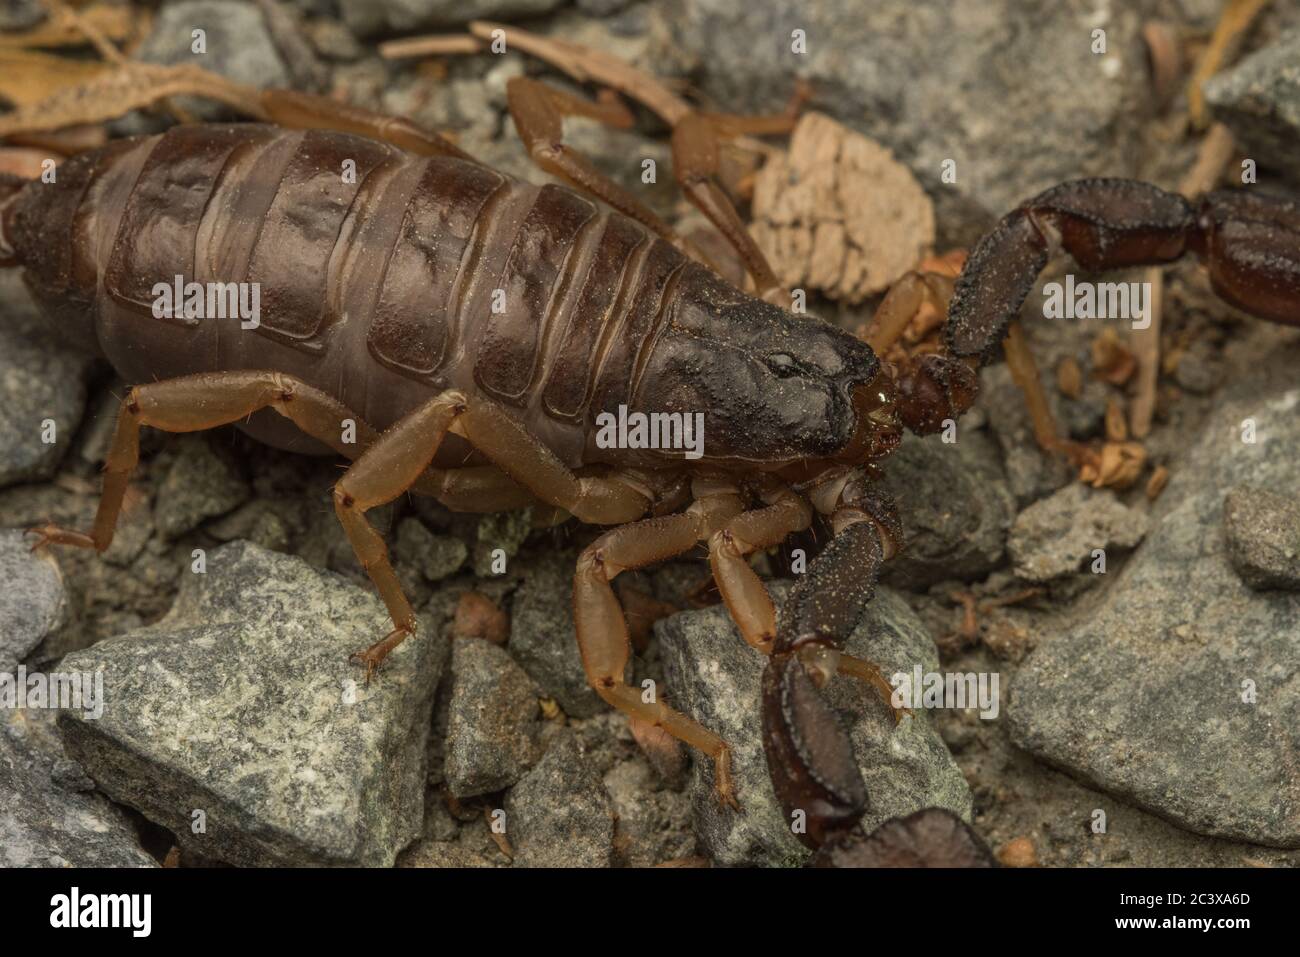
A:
[199,485]
[862,63]
[653,822]
[1031,473]
[45,824]
[1259,100]
[559,815]
[42,383]
[601,8]
[436,556]
[369,17]
[494,721]
[1176,692]
[33,601]
[1263,533]
[238,46]
[262,521]
[714,677]
[241,703]
[1055,537]
[955,506]
[500,530]
[21,14]
[542,637]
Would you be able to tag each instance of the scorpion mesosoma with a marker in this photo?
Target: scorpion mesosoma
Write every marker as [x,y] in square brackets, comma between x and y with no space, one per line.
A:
[377,308]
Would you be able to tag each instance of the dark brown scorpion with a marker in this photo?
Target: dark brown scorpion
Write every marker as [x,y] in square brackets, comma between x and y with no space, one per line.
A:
[472,327]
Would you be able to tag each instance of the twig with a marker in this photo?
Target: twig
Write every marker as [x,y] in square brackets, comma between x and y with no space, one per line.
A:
[1237,17]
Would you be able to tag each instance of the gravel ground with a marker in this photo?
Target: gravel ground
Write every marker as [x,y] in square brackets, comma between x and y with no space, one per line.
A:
[1147,709]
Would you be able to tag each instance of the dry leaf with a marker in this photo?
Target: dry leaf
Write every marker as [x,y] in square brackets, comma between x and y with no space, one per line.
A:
[838,214]
[114,22]
[1159,479]
[118,90]
[1117,465]
[1069,378]
[1112,360]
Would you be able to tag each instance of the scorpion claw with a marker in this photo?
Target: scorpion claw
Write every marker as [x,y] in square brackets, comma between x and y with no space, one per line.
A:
[809,757]
[932,837]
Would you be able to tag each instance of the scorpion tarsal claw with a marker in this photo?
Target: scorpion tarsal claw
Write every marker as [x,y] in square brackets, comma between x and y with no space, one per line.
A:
[49,533]
[723,787]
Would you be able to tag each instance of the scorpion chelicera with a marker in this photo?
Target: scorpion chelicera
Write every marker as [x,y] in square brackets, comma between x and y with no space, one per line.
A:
[473,327]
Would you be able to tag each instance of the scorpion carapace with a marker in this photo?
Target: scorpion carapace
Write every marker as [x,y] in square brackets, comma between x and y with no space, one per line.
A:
[472,328]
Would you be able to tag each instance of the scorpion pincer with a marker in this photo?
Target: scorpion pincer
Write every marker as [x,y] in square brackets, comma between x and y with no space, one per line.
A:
[474,326]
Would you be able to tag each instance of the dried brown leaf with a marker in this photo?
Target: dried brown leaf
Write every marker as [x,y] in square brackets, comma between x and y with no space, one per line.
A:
[27,78]
[838,214]
[120,89]
[114,22]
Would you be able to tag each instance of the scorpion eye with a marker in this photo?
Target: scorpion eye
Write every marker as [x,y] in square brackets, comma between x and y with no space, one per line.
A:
[782,364]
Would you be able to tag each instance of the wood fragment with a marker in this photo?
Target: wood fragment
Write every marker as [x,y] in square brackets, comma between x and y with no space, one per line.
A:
[1166,54]
[1116,426]
[1112,359]
[585,65]
[1215,152]
[454,44]
[1156,484]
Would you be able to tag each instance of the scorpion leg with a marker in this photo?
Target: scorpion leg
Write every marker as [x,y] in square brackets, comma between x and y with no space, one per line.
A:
[398,459]
[475,488]
[190,404]
[743,592]
[904,301]
[308,111]
[538,111]
[603,638]
[392,464]
[695,164]
[593,500]
[747,598]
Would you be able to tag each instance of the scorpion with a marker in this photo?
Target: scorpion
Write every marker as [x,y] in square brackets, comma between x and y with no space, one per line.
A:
[473,326]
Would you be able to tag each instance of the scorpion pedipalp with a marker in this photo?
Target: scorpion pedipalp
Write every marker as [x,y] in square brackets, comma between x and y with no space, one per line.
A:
[1250,244]
[809,756]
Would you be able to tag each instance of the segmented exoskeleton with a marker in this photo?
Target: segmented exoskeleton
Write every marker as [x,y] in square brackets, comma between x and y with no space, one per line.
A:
[472,328]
